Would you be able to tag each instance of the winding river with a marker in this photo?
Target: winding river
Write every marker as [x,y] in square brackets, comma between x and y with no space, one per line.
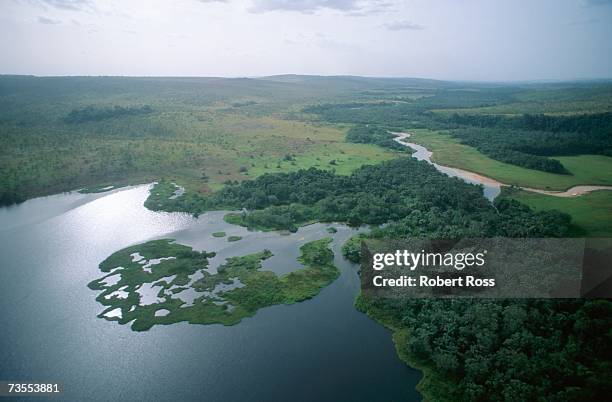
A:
[491,187]
[321,349]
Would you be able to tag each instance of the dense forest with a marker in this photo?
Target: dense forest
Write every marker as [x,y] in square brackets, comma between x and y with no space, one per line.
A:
[525,140]
[592,123]
[91,113]
[367,134]
[474,349]
[412,196]
[223,134]
[516,147]
[504,350]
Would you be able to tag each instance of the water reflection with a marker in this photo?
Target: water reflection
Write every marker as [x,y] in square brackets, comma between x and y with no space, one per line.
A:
[321,349]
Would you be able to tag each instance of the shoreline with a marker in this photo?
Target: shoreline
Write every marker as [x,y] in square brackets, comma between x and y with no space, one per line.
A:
[573,191]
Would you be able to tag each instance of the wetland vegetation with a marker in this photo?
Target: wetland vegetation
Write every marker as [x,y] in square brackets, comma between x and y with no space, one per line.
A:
[291,150]
[149,278]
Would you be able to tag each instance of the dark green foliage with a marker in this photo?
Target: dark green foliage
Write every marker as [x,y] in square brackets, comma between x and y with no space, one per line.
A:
[10,197]
[91,113]
[228,307]
[522,159]
[411,196]
[531,148]
[367,134]
[595,123]
[512,350]
[527,140]
[351,249]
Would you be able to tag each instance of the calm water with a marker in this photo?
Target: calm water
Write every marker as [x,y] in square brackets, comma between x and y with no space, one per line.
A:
[490,188]
[321,349]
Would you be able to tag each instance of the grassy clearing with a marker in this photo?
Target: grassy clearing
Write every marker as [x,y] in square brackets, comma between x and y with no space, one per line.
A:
[591,213]
[585,169]
[253,289]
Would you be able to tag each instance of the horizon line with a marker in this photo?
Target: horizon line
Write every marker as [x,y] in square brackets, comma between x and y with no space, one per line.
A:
[531,80]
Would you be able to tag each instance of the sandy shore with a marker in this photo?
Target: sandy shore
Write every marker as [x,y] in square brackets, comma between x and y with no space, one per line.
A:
[400,138]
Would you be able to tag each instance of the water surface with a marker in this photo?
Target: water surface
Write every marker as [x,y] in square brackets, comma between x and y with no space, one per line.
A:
[50,248]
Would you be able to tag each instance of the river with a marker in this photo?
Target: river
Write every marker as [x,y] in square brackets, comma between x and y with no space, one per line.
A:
[321,349]
[491,187]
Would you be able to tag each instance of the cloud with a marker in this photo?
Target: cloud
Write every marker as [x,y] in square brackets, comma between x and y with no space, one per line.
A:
[68,4]
[308,6]
[403,26]
[48,21]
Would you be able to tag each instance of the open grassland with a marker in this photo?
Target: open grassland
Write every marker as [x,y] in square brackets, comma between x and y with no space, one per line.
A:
[591,213]
[200,133]
[584,169]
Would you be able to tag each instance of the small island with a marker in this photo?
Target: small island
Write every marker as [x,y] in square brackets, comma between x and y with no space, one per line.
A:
[143,284]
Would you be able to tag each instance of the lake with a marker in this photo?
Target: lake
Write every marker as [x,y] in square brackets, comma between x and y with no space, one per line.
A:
[321,349]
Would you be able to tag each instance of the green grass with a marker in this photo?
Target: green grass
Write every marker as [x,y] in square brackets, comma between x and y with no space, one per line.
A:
[195,135]
[229,307]
[591,213]
[585,169]
[218,234]
[234,238]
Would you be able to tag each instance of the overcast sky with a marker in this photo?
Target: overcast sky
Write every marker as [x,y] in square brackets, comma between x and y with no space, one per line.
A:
[443,39]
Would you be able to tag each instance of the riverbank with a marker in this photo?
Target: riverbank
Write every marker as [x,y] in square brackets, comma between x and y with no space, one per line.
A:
[587,170]
[48,260]
[433,386]
[588,205]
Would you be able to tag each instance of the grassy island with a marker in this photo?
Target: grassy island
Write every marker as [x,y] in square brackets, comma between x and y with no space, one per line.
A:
[237,290]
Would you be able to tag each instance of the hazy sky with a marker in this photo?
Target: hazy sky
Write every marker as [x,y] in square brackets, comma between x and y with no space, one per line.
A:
[444,39]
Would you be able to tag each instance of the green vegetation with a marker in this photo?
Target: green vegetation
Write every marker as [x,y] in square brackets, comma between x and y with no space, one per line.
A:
[502,350]
[97,189]
[218,234]
[234,238]
[591,213]
[491,350]
[528,140]
[351,249]
[91,113]
[61,134]
[552,99]
[238,289]
[366,134]
[495,144]
[291,150]
[584,169]
[410,196]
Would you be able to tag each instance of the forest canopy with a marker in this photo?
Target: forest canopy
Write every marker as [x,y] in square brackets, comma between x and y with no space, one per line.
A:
[92,113]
